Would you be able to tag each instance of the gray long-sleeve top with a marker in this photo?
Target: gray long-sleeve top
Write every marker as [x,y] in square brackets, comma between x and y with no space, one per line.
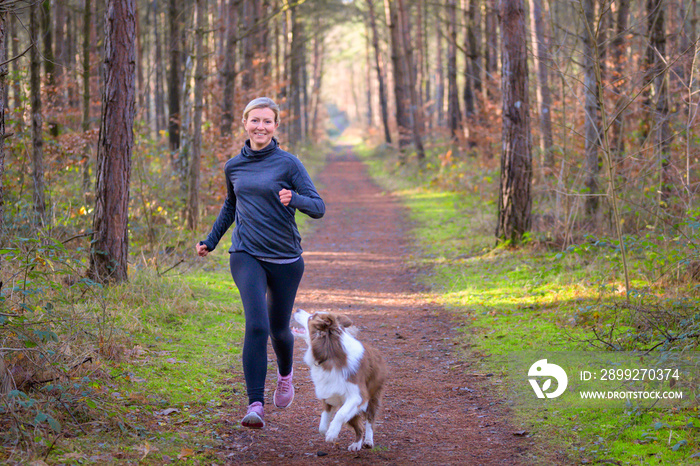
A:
[265,227]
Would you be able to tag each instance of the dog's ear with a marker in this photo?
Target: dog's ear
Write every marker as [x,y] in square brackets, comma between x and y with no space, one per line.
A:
[344,320]
[322,322]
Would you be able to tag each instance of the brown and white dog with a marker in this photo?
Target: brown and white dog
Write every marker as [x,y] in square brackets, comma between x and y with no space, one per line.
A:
[347,375]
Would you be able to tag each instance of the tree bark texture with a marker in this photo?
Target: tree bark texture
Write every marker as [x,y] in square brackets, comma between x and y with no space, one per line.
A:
[174,79]
[37,118]
[401,91]
[110,246]
[468,93]
[415,108]
[656,57]
[380,73]
[85,125]
[544,98]
[228,73]
[514,198]
[454,115]
[250,19]
[619,80]
[159,99]
[592,128]
[195,160]
[439,74]
[295,123]
[319,50]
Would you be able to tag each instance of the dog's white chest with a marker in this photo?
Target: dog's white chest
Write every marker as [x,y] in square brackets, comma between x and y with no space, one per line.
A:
[331,386]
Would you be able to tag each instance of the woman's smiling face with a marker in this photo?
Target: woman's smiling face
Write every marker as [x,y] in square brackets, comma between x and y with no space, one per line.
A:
[260,126]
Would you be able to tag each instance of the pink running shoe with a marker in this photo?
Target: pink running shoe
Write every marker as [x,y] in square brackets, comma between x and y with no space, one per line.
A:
[285,390]
[255,418]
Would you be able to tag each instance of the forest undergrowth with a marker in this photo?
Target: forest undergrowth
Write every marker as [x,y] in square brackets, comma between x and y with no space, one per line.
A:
[562,293]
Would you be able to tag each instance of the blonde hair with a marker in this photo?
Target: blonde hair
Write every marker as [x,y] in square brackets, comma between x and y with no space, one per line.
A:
[262,102]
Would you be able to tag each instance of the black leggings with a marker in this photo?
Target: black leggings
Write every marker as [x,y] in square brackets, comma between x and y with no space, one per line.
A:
[267,291]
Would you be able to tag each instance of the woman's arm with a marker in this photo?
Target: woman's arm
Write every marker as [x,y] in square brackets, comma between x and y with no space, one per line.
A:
[225,219]
[305,197]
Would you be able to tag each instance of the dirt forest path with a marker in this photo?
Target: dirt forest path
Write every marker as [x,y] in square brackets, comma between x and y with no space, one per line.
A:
[435,409]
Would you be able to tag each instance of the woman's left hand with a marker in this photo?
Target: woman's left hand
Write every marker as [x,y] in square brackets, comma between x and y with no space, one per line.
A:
[285,196]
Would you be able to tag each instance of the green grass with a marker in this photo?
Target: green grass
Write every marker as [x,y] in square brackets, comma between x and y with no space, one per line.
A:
[528,299]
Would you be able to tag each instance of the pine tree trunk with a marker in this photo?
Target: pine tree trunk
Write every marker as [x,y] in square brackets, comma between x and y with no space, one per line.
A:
[195,160]
[468,93]
[619,81]
[87,151]
[475,44]
[49,66]
[319,49]
[228,72]
[380,74]
[60,20]
[415,110]
[439,75]
[17,93]
[174,82]
[544,98]
[401,91]
[295,82]
[656,57]
[368,78]
[514,198]
[110,247]
[591,112]
[249,41]
[454,113]
[159,92]
[37,123]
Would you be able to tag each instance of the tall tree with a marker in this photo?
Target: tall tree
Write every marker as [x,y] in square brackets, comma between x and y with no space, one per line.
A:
[49,63]
[619,79]
[319,48]
[368,77]
[228,72]
[401,91]
[158,64]
[453,112]
[195,159]
[544,98]
[110,245]
[37,118]
[61,22]
[17,90]
[439,72]
[656,66]
[415,108]
[380,72]
[592,130]
[468,93]
[514,197]
[250,19]
[295,78]
[87,34]
[174,77]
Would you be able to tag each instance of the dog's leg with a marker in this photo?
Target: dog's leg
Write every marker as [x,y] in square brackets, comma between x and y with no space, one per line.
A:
[325,418]
[356,423]
[372,407]
[346,412]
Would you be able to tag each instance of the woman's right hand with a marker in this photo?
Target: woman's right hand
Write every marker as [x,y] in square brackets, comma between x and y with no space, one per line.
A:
[202,249]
